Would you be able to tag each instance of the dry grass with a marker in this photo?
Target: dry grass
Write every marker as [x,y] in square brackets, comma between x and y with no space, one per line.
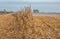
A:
[22,25]
[48,27]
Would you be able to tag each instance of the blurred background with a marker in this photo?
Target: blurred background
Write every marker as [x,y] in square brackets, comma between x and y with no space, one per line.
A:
[40,5]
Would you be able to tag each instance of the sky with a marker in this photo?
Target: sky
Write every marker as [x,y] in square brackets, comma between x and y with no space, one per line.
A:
[29,0]
[41,5]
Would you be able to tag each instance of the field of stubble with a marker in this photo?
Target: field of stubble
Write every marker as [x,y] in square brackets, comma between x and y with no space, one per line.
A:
[47,26]
[42,27]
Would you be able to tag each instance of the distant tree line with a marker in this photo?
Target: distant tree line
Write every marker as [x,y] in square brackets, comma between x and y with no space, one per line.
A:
[35,11]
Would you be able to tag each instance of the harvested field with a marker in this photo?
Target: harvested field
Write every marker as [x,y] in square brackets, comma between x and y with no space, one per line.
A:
[48,27]
[22,25]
